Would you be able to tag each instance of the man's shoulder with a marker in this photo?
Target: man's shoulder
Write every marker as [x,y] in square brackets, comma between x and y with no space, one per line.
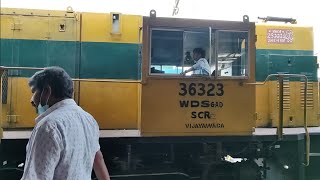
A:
[66,110]
[69,113]
[203,60]
[47,126]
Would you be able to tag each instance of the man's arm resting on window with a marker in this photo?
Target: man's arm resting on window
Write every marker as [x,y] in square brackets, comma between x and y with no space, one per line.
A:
[100,167]
[188,70]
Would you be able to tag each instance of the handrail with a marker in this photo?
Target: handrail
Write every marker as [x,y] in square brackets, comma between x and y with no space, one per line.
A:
[3,68]
[280,125]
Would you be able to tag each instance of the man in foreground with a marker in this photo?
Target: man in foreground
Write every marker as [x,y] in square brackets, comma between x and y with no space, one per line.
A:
[64,143]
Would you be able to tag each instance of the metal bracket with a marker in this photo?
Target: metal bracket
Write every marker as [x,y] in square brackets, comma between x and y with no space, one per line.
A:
[16,26]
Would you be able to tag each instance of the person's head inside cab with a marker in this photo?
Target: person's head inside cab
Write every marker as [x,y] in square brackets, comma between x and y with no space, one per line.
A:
[48,87]
[198,53]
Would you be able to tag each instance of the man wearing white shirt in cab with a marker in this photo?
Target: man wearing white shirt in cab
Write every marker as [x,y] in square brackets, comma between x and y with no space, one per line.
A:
[202,66]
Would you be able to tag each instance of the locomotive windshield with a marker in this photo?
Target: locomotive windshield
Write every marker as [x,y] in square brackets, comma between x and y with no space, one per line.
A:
[224,52]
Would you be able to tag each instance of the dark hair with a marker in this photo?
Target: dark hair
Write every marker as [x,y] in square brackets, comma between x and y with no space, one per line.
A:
[57,78]
[200,51]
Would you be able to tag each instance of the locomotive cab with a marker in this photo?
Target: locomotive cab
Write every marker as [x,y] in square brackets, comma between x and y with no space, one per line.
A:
[216,103]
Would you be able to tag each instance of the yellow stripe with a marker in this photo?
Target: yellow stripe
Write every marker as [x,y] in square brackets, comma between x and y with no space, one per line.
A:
[114,105]
[39,25]
[45,25]
[302,37]
[97,27]
[267,105]
[36,12]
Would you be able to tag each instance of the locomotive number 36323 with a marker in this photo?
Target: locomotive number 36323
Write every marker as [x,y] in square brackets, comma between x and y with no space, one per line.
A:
[201,89]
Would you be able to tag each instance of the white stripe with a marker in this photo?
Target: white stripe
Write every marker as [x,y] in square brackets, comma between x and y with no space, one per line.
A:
[120,133]
[103,133]
[286,131]
[136,133]
[16,134]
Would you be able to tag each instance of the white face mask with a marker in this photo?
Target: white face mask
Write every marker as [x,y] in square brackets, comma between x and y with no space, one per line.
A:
[42,109]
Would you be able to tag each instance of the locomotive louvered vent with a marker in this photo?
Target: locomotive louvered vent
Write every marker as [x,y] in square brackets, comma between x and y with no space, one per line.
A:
[309,93]
[286,94]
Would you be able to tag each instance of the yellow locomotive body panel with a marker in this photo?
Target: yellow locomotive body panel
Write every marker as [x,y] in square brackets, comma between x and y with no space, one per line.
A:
[286,49]
[165,112]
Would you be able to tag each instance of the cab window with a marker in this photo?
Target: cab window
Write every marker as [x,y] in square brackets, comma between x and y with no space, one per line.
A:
[166,51]
[232,54]
[199,52]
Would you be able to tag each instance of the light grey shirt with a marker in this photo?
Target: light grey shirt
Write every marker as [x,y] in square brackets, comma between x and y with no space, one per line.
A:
[63,144]
[202,67]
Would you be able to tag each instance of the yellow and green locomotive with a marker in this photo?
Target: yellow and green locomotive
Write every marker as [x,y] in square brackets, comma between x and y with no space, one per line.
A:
[156,123]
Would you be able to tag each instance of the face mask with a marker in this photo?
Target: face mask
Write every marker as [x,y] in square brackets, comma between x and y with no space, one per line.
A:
[42,109]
